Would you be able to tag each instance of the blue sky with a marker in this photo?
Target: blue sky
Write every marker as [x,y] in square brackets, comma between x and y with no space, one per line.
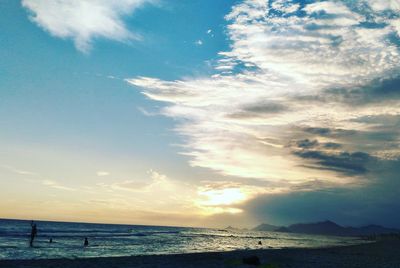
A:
[59,96]
[223,110]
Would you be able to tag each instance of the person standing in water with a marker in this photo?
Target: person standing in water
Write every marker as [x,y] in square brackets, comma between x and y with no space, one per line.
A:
[33,233]
[86,243]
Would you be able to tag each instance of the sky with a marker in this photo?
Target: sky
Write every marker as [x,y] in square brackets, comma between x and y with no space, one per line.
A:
[200,113]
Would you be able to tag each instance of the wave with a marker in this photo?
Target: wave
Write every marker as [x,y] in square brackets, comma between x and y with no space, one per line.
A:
[227,236]
[86,233]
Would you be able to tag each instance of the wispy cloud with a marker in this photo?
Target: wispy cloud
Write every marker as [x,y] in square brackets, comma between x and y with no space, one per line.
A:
[102,173]
[154,180]
[56,185]
[156,191]
[290,68]
[146,112]
[84,20]
[19,171]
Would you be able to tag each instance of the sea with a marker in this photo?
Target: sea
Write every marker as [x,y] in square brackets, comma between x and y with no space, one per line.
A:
[109,240]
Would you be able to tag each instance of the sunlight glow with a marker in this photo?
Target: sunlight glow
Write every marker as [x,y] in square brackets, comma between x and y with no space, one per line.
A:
[227,196]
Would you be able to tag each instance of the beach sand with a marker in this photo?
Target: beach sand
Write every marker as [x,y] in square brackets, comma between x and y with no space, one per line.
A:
[377,254]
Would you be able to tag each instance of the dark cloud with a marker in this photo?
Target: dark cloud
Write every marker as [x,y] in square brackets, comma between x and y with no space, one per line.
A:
[265,107]
[332,145]
[380,133]
[328,132]
[260,109]
[375,202]
[348,163]
[378,90]
[381,120]
[318,131]
[338,134]
[307,143]
[345,206]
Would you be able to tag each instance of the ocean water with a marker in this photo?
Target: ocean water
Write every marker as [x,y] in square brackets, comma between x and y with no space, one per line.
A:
[108,240]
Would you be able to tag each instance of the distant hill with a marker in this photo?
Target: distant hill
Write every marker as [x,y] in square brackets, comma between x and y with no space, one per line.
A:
[266,227]
[372,229]
[283,229]
[327,228]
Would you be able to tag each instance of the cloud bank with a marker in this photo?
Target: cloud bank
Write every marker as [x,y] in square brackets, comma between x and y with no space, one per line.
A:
[307,92]
[84,20]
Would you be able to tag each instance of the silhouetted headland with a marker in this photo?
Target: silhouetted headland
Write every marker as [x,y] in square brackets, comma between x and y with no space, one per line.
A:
[329,228]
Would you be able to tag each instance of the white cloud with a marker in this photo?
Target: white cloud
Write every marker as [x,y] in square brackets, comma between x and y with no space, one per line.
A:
[285,6]
[145,112]
[84,20]
[382,5]
[155,180]
[240,121]
[19,171]
[56,185]
[102,173]
[156,191]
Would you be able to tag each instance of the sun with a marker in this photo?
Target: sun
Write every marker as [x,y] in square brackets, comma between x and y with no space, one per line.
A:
[220,197]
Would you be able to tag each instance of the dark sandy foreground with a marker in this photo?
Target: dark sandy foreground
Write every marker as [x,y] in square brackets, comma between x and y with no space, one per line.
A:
[379,254]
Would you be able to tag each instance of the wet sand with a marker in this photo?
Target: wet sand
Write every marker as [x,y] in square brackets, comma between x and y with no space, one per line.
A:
[377,254]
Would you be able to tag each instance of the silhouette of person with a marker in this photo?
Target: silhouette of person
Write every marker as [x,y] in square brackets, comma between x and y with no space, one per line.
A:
[33,233]
[86,243]
[51,240]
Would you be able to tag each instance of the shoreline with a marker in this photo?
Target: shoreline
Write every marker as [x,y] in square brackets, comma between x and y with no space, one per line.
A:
[374,254]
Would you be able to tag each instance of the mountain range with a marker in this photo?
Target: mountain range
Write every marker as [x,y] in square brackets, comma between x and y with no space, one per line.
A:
[327,228]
